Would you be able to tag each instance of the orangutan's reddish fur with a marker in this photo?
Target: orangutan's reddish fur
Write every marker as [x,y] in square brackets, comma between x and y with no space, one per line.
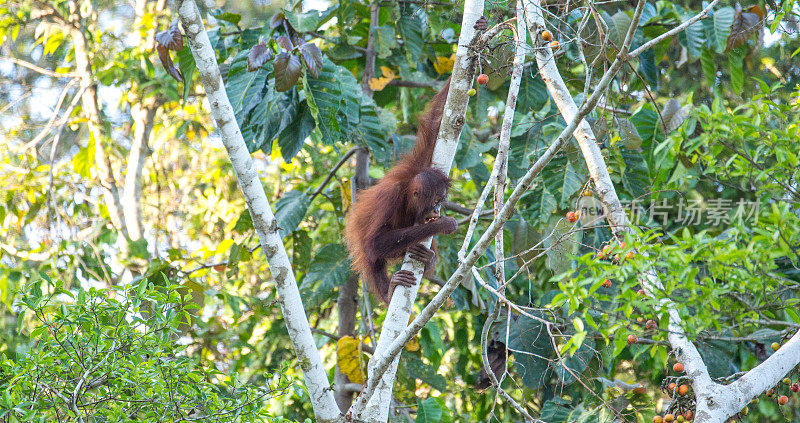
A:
[390,217]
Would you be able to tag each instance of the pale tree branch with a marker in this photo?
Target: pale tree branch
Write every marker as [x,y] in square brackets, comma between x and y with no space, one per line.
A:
[264,222]
[383,360]
[380,379]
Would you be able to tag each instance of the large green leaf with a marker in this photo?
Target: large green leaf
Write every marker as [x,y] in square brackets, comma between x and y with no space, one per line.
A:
[718,28]
[618,27]
[188,66]
[649,68]
[424,372]
[693,38]
[561,179]
[539,204]
[409,26]
[290,211]
[556,410]
[636,177]
[561,241]
[324,95]
[428,411]
[385,40]
[309,20]
[298,128]
[329,269]
[371,131]
[533,94]
[244,88]
[709,67]
[470,149]
[736,68]
[574,364]
[532,348]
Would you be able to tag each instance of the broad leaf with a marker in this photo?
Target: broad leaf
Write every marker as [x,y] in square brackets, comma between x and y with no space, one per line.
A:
[329,269]
[532,348]
[410,29]
[636,177]
[290,211]
[295,132]
[258,55]
[718,28]
[287,70]
[561,179]
[310,20]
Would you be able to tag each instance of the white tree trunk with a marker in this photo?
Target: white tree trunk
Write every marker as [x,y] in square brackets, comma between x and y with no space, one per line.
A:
[377,408]
[264,222]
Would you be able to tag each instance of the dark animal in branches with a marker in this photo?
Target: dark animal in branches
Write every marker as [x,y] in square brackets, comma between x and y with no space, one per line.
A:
[403,209]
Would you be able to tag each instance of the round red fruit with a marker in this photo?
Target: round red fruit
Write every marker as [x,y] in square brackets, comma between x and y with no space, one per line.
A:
[683,389]
[677,367]
[632,339]
[572,216]
[783,399]
[795,387]
[607,283]
[483,79]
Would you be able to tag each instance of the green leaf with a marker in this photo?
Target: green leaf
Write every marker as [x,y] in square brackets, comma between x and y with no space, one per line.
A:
[709,67]
[693,38]
[556,410]
[309,20]
[736,68]
[299,127]
[533,347]
[628,133]
[533,94]
[328,270]
[424,372]
[428,411]
[618,27]
[718,28]
[636,177]
[371,131]
[649,68]
[539,204]
[324,96]
[244,88]
[410,29]
[301,250]
[470,149]
[290,211]
[385,40]
[188,66]
[561,179]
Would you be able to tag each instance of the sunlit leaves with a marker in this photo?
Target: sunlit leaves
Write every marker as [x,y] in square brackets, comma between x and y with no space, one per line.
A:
[348,358]
[379,83]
